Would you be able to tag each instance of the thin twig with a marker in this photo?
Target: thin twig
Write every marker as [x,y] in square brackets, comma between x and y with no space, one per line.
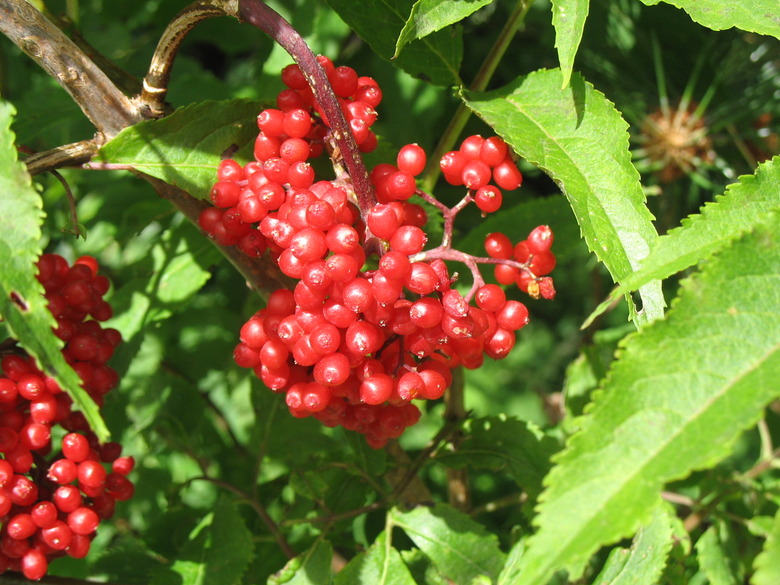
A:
[68,155]
[74,217]
[458,492]
[17,579]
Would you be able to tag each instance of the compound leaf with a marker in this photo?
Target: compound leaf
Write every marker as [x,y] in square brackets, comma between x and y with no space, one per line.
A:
[185,148]
[22,303]
[578,138]
[675,400]
[760,16]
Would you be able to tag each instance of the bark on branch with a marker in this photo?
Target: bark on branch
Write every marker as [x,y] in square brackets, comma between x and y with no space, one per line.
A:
[106,107]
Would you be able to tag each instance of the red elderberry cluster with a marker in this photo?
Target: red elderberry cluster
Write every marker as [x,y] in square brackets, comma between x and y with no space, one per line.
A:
[374,321]
[51,502]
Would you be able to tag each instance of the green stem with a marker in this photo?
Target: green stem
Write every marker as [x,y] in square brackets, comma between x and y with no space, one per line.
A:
[481,80]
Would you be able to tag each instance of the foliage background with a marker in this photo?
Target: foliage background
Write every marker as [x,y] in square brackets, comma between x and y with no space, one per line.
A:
[214,445]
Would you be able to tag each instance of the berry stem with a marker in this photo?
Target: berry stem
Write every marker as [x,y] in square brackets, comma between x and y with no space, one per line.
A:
[262,16]
[481,80]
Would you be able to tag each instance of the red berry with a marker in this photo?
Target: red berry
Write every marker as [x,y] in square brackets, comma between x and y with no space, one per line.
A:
[75,447]
[83,521]
[488,198]
[411,159]
[498,245]
[507,176]
[540,239]
[493,151]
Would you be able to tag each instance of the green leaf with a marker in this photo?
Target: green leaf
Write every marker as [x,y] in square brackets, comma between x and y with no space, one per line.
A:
[310,568]
[502,443]
[185,148]
[643,563]
[718,557]
[738,210]
[22,303]
[676,399]
[219,551]
[435,58]
[760,16]
[767,564]
[569,21]
[460,548]
[381,564]
[578,138]
[429,16]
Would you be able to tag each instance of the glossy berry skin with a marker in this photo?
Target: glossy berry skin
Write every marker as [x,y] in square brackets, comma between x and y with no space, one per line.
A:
[374,320]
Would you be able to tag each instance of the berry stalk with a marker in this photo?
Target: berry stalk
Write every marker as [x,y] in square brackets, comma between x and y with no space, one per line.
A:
[274,25]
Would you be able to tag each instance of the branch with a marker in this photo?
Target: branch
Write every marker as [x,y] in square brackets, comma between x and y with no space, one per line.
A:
[68,155]
[155,85]
[262,274]
[107,108]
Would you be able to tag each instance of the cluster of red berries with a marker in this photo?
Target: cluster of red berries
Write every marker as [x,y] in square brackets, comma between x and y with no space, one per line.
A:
[475,163]
[374,321]
[51,505]
[534,252]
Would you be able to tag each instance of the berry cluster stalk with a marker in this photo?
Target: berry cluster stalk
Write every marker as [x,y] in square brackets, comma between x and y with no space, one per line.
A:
[274,25]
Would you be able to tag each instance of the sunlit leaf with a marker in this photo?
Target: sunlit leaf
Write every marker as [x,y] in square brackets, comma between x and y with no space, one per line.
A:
[22,304]
[678,396]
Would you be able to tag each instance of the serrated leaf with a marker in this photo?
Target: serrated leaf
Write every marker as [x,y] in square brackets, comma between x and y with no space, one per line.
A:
[429,16]
[767,564]
[743,205]
[310,568]
[506,444]
[435,58]
[22,303]
[231,545]
[569,21]
[644,562]
[381,564]
[578,138]
[760,16]
[185,148]
[675,400]
[717,556]
[460,548]
[219,551]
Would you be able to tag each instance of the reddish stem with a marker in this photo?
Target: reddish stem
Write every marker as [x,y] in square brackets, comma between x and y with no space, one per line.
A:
[445,251]
[274,25]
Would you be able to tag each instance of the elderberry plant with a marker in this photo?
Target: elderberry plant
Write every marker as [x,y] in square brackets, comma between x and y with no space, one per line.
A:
[331,230]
